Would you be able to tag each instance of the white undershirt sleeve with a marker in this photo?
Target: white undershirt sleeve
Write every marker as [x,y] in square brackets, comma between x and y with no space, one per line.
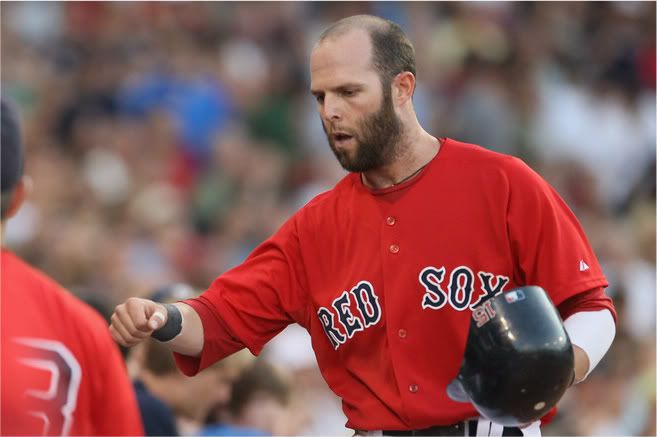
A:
[593,331]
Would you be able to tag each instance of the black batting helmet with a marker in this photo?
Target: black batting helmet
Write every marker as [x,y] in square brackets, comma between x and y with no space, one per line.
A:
[518,359]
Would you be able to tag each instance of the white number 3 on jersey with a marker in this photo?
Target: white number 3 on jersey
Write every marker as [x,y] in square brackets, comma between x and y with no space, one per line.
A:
[54,405]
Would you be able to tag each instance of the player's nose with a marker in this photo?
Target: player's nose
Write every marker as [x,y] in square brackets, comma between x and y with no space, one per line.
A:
[332,109]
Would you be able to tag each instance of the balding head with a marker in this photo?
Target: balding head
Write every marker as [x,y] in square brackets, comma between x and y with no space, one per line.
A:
[369,23]
[392,51]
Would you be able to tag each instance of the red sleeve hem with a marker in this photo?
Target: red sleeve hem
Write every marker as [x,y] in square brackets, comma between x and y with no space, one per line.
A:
[565,293]
[593,299]
[218,341]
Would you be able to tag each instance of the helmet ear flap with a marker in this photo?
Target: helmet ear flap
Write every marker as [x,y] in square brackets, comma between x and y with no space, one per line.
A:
[518,359]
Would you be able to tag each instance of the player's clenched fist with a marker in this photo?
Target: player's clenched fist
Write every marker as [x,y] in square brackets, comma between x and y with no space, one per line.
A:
[136,319]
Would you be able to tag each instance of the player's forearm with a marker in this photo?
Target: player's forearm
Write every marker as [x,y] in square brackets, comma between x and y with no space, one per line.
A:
[190,340]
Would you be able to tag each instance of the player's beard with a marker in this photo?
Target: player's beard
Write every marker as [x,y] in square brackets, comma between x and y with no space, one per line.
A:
[377,139]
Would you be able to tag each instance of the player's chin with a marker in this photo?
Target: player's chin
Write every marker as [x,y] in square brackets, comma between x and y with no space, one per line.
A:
[340,154]
[348,164]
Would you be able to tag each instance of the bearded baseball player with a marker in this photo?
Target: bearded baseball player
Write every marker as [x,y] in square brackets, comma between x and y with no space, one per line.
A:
[387,269]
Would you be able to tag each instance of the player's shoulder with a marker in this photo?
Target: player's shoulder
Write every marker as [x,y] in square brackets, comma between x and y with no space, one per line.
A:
[480,158]
[20,277]
[326,199]
[322,209]
[477,154]
[502,172]
[30,284]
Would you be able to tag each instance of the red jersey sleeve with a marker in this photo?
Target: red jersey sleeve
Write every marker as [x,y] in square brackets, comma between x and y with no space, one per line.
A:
[590,300]
[548,242]
[250,304]
[218,340]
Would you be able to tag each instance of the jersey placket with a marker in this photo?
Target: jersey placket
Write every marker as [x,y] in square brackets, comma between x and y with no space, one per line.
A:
[395,260]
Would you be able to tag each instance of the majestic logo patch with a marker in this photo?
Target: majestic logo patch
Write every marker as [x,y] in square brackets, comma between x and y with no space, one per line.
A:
[340,323]
[583,266]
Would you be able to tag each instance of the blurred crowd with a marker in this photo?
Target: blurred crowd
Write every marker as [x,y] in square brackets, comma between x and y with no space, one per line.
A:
[166,140]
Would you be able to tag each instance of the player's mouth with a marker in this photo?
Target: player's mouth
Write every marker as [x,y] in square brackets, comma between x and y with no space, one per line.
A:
[341,139]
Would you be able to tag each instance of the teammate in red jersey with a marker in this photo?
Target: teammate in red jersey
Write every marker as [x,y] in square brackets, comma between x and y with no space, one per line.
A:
[62,374]
[384,269]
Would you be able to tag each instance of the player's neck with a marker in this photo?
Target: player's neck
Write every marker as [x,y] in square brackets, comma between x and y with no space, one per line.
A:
[419,152]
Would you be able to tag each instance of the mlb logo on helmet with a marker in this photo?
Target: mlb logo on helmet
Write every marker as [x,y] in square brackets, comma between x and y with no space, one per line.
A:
[514,296]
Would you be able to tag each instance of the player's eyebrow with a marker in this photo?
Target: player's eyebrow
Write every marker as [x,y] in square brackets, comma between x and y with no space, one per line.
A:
[342,87]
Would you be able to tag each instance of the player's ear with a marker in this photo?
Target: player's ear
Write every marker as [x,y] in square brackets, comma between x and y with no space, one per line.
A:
[403,87]
[18,196]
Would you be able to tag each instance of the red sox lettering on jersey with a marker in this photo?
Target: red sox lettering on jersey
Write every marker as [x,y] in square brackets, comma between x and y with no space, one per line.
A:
[369,313]
[340,323]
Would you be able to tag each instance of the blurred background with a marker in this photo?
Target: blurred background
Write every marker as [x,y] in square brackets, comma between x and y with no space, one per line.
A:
[166,140]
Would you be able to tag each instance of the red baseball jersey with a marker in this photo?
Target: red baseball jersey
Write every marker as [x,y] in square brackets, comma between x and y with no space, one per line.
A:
[385,280]
[62,374]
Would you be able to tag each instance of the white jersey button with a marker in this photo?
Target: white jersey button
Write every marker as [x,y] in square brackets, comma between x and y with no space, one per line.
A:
[413,388]
[391,221]
[394,248]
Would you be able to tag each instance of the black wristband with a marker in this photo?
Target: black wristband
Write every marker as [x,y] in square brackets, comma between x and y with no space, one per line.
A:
[172,327]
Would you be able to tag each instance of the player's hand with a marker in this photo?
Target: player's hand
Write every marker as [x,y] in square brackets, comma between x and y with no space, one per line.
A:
[136,319]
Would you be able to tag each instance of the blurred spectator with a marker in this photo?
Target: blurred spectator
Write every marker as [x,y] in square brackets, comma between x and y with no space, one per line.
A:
[257,405]
[167,139]
[173,404]
[292,350]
